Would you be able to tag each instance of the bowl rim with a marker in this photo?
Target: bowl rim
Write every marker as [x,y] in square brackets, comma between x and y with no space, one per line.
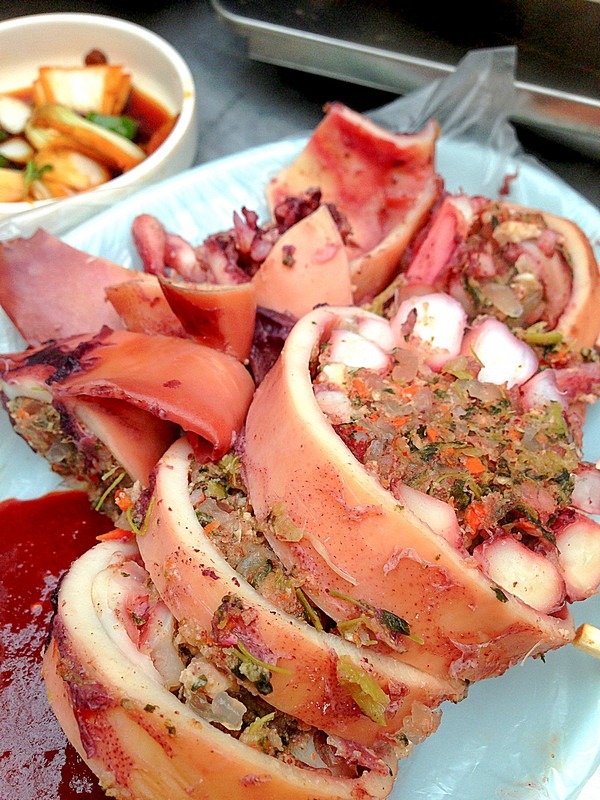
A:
[186,114]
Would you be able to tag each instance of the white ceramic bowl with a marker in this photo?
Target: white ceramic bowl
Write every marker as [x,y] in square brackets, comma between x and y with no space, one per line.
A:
[157,69]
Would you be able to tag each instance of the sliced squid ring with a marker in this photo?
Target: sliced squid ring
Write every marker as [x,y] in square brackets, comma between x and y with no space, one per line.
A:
[553,248]
[579,321]
[193,578]
[133,733]
[359,541]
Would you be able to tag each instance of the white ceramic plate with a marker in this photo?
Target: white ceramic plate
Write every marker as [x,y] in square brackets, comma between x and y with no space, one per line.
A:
[531,734]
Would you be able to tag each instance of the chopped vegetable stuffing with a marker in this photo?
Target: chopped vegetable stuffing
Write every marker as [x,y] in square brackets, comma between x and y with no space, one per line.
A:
[463,441]
[223,508]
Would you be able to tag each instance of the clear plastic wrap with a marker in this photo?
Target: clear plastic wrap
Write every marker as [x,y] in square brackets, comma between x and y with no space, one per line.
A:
[473,106]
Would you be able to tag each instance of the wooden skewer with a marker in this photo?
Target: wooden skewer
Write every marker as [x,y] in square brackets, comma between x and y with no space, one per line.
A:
[587,638]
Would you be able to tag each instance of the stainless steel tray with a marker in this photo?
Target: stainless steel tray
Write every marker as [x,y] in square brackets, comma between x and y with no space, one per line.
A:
[400,46]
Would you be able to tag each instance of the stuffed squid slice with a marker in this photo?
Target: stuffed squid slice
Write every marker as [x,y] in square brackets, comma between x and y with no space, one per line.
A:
[153,720]
[102,410]
[418,483]
[213,568]
[523,266]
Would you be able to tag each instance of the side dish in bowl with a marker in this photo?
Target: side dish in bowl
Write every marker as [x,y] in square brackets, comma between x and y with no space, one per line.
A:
[88,104]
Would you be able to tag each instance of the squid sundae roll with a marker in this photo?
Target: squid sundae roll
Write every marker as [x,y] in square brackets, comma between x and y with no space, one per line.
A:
[524,266]
[423,479]
[212,565]
[154,720]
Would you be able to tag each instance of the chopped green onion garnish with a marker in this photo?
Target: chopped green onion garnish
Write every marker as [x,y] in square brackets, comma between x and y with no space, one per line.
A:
[112,486]
[123,125]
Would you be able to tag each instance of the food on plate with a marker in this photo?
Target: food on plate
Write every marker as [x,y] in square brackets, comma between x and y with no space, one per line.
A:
[74,129]
[209,560]
[103,409]
[384,184]
[154,720]
[376,217]
[306,266]
[525,267]
[219,316]
[53,291]
[303,574]
[294,261]
[240,290]
[142,306]
[451,479]
[400,232]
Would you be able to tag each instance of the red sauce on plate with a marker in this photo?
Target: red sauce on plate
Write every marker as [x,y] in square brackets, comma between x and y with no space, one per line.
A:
[38,541]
